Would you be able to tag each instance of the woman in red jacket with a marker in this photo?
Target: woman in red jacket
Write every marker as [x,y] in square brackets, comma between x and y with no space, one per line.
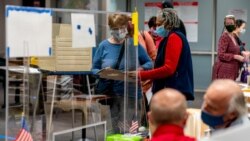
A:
[173,65]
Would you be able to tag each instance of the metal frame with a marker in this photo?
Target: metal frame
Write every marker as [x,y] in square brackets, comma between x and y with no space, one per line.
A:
[80,128]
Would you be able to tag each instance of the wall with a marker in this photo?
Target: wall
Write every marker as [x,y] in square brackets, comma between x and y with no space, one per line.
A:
[2,29]
[223,7]
[2,22]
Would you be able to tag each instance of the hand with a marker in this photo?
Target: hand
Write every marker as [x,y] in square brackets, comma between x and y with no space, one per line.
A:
[239,58]
[132,73]
[246,55]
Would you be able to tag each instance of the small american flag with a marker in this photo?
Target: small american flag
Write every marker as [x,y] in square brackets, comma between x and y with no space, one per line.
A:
[134,127]
[24,134]
[123,126]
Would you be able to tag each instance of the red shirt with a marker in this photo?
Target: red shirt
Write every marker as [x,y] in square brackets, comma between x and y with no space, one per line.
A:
[173,52]
[170,132]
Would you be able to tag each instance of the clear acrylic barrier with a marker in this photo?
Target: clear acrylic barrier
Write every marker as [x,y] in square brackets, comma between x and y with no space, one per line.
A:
[99,127]
[63,96]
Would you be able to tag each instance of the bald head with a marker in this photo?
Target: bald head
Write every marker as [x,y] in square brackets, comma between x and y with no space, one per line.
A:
[222,94]
[168,106]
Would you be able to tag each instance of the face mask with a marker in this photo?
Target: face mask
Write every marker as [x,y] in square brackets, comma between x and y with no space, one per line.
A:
[211,120]
[161,31]
[120,34]
[230,28]
[242,31]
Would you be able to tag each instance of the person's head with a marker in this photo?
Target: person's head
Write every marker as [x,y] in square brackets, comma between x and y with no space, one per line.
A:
[223,103]
[229,23]
[167,106]
[152,23]
[118,25]
[167,4]
[240,26]
[167,20]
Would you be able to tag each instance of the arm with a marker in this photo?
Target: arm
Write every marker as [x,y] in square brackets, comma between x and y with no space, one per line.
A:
[97,60]
[150,45]
[144,60]
[173,52]
[141,41]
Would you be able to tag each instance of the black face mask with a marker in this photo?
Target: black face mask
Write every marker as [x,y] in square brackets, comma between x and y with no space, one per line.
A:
[230,28]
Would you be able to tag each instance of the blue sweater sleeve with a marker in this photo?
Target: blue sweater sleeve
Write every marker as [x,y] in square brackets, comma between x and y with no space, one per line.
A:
[97,60]
[144,60]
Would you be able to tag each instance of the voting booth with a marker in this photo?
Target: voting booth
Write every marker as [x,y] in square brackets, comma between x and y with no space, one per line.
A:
[47,105]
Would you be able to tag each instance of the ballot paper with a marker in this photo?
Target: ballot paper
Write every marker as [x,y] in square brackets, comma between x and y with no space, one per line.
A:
[113,74]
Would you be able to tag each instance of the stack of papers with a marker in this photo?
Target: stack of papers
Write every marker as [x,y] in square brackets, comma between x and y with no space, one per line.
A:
[113,74]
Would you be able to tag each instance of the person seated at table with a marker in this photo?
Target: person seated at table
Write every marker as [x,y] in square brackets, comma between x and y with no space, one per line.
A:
[168,115]
[224,105]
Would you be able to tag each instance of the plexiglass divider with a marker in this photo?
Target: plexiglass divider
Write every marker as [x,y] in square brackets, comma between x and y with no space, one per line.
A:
[61,96]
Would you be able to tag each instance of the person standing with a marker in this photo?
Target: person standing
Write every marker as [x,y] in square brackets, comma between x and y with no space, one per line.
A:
[110,53]
[240,30]
[230,57]
[173,65]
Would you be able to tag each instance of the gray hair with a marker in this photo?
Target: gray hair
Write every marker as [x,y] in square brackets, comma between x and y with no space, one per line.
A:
[169,18]
[237,103]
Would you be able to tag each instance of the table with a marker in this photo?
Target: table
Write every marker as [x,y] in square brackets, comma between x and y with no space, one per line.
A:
[246,92]
[76,105]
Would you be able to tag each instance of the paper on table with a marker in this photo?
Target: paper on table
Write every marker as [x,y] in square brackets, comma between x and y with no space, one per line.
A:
[109,73]
[83,30]
[22,69]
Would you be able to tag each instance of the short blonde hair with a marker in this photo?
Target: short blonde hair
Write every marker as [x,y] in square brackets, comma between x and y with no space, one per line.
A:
[232,17]
[117,20]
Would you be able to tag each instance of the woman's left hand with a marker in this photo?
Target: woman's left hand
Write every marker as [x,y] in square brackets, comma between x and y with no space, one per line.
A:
[246,55]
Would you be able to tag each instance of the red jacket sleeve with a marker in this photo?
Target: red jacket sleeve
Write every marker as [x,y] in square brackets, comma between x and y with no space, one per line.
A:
[172,51]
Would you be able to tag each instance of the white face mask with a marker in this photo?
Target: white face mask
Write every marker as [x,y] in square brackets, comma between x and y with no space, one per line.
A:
[119,34]
[242,31]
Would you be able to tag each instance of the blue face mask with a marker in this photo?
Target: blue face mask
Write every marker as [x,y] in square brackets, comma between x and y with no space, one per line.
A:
[211,120]
[161,31]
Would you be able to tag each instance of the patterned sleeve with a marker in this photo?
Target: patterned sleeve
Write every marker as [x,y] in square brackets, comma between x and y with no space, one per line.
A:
[223,47]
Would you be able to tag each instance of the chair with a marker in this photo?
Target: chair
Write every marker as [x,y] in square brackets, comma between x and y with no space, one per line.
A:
[195,127]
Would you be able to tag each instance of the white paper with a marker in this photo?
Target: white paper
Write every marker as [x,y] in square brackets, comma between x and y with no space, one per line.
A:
[192,32]
[29,31]
[22,69]
[83,30]
[239,13]
[188,13]
[151,9]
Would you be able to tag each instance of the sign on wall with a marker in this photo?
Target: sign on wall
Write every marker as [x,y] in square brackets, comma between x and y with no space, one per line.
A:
[151,9]
[83,30]
[188,13]
[239,13]
[28,32]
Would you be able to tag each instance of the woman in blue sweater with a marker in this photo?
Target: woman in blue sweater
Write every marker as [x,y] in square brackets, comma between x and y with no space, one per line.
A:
[107,55]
